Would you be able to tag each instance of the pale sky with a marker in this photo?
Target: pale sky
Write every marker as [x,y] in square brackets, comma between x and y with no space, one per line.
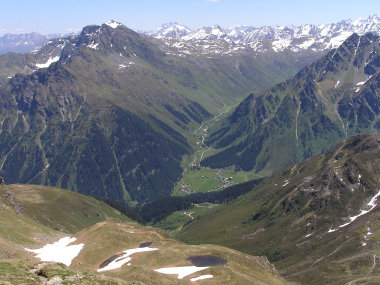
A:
[51,16]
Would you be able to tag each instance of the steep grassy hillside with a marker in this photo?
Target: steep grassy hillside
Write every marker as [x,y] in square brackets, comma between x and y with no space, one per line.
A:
[317,220]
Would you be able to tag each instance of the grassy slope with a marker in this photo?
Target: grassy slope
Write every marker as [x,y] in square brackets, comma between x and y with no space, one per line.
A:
[44,207]
[205,180]
[67,211]
[240,267]
[290,223]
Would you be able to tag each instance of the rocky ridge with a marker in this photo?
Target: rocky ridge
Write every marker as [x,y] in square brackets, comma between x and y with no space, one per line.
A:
[218,40]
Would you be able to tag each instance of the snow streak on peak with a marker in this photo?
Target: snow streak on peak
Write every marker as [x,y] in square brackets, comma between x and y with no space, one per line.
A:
[113,24]
[48,62]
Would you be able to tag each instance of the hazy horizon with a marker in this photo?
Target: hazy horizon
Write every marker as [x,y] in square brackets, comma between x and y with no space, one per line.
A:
[48,17]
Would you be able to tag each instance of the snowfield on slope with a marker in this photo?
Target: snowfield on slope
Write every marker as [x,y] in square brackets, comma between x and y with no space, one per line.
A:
[125,258]
[181,271]
[59,251]
[48,62]
[371,203]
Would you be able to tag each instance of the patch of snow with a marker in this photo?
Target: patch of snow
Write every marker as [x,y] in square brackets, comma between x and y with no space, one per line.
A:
[308,235]
[357,46]
[332,230]
[280,45]
[338,40]
[337,83]
[47,64]
[59,251]
[125,258]
[360,83]
[364,244]
[363,212]
[216,31]
[307,44]
[202,277]
[93,46]
[286,183]
[113,24]
[178,45]
[181,271]
[357,90]
[46,167]
[125,66]
[357,21]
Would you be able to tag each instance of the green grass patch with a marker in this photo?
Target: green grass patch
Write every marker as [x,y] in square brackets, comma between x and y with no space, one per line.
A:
[205,179]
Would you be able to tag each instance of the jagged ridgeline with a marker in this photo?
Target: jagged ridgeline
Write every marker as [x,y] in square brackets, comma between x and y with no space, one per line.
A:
[337,96]
[109,112]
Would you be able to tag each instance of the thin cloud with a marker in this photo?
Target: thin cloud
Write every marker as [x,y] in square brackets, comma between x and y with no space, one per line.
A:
[3,31]
[212,1]
[18,30]
[72,30]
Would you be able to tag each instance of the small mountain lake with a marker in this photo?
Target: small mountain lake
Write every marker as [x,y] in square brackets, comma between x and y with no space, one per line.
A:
[206,260]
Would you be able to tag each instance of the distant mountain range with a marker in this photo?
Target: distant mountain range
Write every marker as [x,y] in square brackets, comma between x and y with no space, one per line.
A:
[21,43]
[217,40]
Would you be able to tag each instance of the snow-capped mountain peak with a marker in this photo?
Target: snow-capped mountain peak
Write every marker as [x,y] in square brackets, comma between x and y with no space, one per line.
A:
[113,24]
[216,40]
[170,30]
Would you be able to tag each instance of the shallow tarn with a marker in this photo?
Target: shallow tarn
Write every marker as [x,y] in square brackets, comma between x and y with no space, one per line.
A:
[145,244]
[206,260]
